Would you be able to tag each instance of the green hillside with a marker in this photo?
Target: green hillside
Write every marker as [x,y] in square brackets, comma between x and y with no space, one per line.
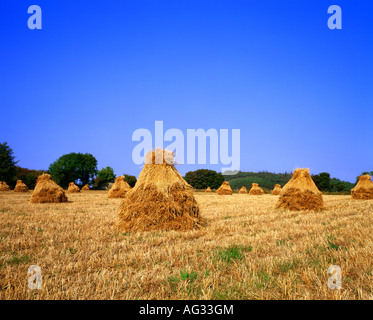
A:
[267,180]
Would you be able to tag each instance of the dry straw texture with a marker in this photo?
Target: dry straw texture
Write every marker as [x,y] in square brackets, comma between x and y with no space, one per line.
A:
[47,191]
[119,188]
[276,190]
[20,187]
[86,187]
[73,188]
[364,188]
[300,193]
[243,190]
[224,189]
[4,186]
[160,200]
[248,251]
[256,190]
[208,190]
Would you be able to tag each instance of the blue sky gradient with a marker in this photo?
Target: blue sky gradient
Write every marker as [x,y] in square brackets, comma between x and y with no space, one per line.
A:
[300,93]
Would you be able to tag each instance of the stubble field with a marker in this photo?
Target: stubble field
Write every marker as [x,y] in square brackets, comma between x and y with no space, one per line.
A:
[248,250]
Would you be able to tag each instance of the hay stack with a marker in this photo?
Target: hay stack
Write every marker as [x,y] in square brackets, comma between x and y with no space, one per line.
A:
[256,190]
[161,198]
[300,193]
[73,188]
[276,190]
[243,190]
[364,188]
[119,188]
[20,187]
[4,186]
[47,191]
[225,189]
[86,187]
[208,190]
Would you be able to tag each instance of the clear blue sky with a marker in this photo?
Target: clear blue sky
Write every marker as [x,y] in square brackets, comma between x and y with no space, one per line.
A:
[301,94]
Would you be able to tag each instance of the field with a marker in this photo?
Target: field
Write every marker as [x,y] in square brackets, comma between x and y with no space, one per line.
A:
[247,251]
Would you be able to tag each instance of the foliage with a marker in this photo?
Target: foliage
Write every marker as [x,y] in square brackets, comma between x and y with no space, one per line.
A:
[131,180]
[103,178]
[28,176]
[326,184]
[266,180]
[7,164]
[203,178]
[322,181]
[74,167]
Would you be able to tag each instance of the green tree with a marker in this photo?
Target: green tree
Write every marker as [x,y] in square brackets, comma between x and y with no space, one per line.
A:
[74,167]
[104,177]
[322,181]
[7,164]
[106,174]
[131,180]
[203,178]
[28,176]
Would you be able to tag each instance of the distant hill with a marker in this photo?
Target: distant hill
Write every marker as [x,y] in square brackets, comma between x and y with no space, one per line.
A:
[267,180]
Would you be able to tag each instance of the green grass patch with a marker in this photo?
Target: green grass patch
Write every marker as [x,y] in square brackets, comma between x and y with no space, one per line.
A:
[18,260]
[232,253]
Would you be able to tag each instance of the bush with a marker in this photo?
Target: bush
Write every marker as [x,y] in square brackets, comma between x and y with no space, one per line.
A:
[203,178]
[7,164]
[131,180]
[28,176]
[74,167]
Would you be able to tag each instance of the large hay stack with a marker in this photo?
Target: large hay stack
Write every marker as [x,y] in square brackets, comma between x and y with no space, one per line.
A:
[20,187]
[119,188]
[208,190]
[276,190]
[86,187]
[242,190]
[73,188]
[364,188]
[47,191]
[300,193]
[256,190]
[4,186]
[224,189]
[160,200]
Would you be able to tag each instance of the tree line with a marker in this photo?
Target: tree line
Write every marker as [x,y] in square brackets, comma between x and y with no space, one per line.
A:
[202,178]
[82,169]
[73,167]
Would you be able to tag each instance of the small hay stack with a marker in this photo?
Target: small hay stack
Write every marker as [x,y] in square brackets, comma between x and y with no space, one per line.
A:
[161,198]
[47,191]
[86,187]
[256,190]
[119,188]
[208,190]
[4,186]
[300,193]
[20,187]
[224,189]
[73,188]
[364,188]
[276,190]
[243,190]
